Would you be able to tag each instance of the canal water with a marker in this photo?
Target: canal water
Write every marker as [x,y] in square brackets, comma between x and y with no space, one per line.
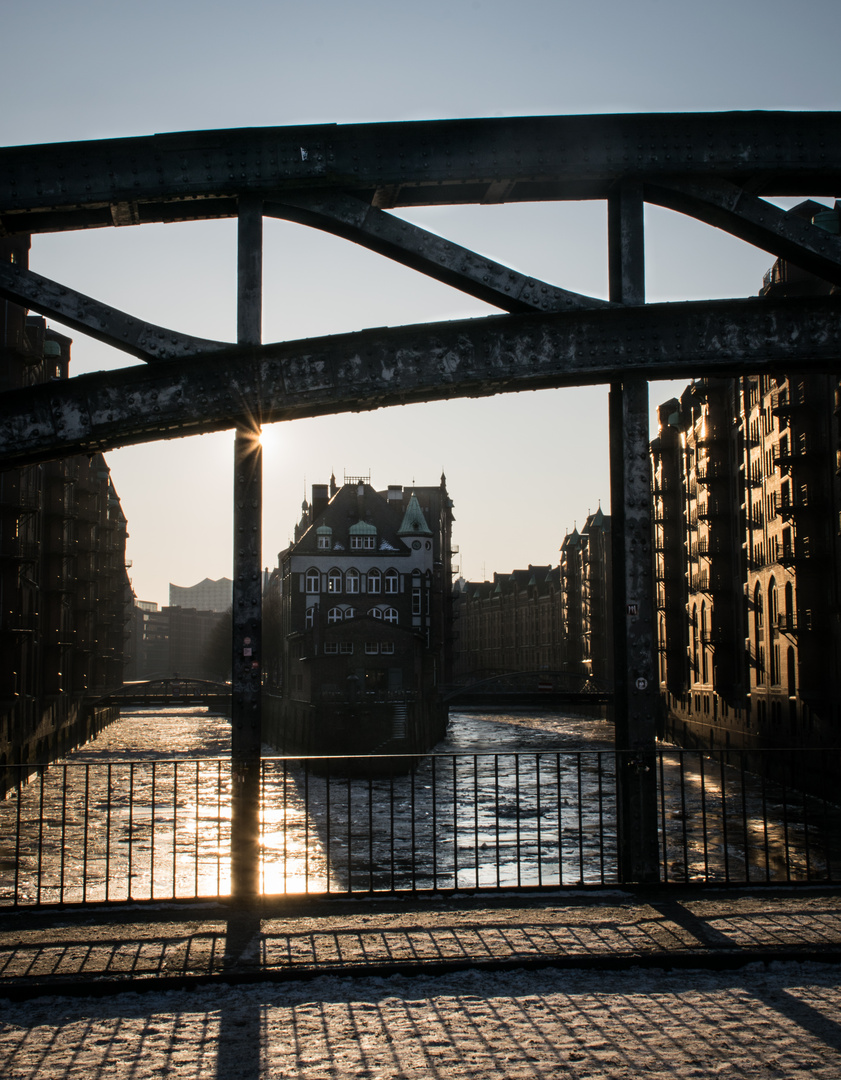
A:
[505,800]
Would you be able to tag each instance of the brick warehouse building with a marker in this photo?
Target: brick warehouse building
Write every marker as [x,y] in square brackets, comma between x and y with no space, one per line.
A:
[542,618]
[747,508]
[65,595]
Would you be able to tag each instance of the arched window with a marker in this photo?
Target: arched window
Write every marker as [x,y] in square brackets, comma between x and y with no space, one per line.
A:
[695,643]
[350,612]
[375,581]
[309,619]
[757,635]
[390,614]
[704,639]
[334,581]
[352,581]
[791,622]
[772,603]
[313,580]
[334,615]
[377,612]
[392,581]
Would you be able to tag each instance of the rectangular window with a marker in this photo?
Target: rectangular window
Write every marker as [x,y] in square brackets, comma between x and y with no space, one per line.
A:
[331,647]
[371,648]
[387,647]
[346,647]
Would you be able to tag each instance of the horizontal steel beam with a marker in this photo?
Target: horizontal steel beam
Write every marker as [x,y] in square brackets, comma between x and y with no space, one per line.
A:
[376,368]
[191,175]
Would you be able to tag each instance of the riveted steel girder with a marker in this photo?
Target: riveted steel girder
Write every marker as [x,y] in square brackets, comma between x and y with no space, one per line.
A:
[193,175]
[125,332]
[358,221]
[375,368]
[760,223]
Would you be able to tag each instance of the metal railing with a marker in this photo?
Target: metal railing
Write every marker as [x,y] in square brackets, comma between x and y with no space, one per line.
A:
[152,830]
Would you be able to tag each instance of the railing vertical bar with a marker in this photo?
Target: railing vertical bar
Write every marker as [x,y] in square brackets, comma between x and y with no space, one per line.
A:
[581,874]
[476,817]
[806,844]
[196,795]
[306,825]
[745,817]
[17,835]
[825,833]
[600,784]
[560,821]
[496,818]
[391,830]
[537,803]
[786,844]
[517,818]
[219,827]
[261,848]
[285,820]
[765,839]
[412,817]
[349,839]
[152,838]
[108,835]
[455,825]
[665,867]
[174,826]
[703,783]
[434,823]
[129,886]
[62,857]
[370,835]
[328,825]
[685,838]
[85,837]
[724,837]
[40,862]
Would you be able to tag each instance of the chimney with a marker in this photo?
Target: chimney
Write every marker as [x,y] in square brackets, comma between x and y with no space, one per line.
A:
[320,498]
[395,494]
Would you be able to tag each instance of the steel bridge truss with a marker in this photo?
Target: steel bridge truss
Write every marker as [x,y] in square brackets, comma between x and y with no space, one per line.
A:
[718,168]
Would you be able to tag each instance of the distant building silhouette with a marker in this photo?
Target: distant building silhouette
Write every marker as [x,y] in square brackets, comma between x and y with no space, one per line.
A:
[206,596]
[364,593]
[543,618]
[65,592]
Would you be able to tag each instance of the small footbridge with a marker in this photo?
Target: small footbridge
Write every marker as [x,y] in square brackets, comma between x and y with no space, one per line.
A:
[169,692]
[531,688]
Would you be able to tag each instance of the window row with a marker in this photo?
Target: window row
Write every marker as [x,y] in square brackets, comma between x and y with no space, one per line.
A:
[333,648]
[351,581]
[337,614]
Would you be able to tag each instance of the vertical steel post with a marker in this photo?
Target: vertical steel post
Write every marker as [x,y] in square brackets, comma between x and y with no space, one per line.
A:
[246,725]
[635,683]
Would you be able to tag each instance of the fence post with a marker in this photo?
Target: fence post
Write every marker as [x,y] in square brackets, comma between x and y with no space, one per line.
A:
[246,617]
[635,682]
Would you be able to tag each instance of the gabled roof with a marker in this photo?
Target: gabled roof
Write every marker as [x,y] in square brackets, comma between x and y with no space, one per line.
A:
[355,509]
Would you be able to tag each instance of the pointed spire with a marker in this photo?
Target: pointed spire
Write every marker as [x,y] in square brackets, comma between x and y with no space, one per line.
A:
[414,523]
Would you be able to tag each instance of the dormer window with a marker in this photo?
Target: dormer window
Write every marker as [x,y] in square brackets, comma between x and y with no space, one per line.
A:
[324,535]
[363,536]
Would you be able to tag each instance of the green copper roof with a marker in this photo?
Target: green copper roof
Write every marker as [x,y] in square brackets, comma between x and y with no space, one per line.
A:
[363,528]
[414,523]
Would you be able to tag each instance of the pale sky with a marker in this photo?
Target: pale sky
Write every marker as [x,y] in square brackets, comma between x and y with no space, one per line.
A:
[521,469]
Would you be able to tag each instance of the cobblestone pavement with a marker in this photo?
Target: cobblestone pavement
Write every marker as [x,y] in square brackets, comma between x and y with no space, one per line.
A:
[496,987]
